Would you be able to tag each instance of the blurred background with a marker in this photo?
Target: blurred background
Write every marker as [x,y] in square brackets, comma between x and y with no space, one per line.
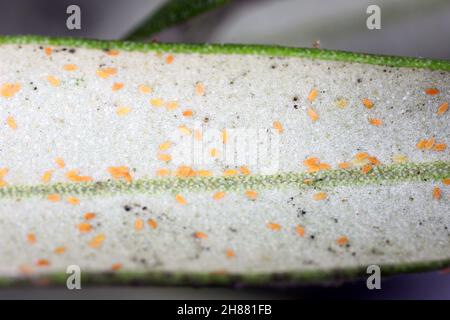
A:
[419,28]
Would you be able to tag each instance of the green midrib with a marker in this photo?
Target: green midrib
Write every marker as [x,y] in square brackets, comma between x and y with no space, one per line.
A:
[389,174]
[262,50]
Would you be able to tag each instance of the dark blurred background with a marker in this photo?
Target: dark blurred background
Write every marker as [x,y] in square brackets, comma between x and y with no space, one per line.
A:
[419,28]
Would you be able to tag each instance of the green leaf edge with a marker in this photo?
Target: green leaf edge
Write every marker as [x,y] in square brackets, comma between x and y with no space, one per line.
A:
[239,49]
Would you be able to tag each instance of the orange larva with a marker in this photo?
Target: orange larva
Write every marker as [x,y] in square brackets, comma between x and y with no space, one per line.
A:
[432,91]
[180,199]
[54,197]
[199,89]
[342,241]
[278,127]
[117,86]
[312,95]
[42,263]
[251,194]
[300,230]
[70,67]
[169,59]
[229,253]
[442,108]
[218,195]
[437,193]
[97,241]
[116,266]
[200,235]
[375,122]
[368,103]
[152,223]
[73,200]
[89,216]
[230,172]
[320,196]
[84,227]
[274,226]
[59,250]
[312,114]
[138,224]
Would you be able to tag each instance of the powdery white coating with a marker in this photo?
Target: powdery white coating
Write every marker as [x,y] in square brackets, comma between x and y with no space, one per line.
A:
[389,224]
[77,121]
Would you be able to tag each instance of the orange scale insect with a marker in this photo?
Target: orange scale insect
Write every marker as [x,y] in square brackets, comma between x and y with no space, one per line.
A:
[230,172]
[138,224]
[11,122]
[367,103]
[437,193]
[432,91]
[342,241]
[366,168]
[164,157]
[200,235]
[320,196]
[73,175]
[244,170]
[97,241]
[199,89]
[31,238]
[251,194]
[230,253]
[312,95]
[42,263]
[59,250]
[184,172]
[344,165]
[218,195]
[273,226]
[116,267]
[163,172]
[8,90]
[204,173]
[84,227]
[300,230]
[73,201]
[117,86]
[169,59]
[312,114]
[89,216]
[440,147]
[278,127]
[106,72]
[152,223]
[442,108]
[120,172]
[430,143]
[180,199]
[187,113]
[54,197]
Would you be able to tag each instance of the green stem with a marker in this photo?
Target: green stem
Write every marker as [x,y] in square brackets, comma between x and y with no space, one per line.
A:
[171,13]
[395,173]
